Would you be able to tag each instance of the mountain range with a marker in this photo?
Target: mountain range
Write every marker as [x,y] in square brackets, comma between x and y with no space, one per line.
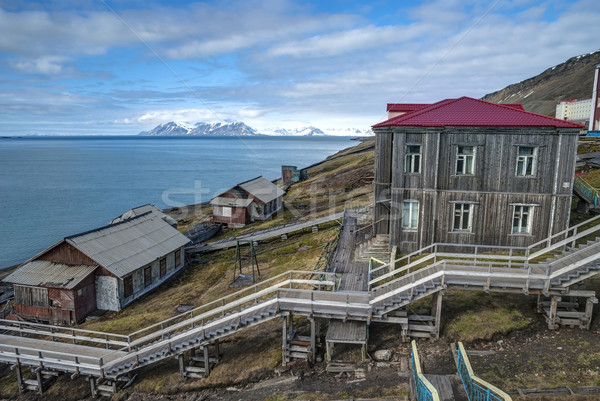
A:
[239,128]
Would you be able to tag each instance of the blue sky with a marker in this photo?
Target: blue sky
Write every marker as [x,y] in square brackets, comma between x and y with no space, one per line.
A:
[119,67]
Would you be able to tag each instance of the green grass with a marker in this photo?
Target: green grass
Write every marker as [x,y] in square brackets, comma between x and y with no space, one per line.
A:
[484,324]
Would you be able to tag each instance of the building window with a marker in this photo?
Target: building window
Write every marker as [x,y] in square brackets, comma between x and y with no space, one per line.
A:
[413,159]
[128,286]
[462,217]
[465,160]
[147,276]
[526,160]
[226,211]
[522,217]
[163,267]
[410,215]
[177,258]
[80,292]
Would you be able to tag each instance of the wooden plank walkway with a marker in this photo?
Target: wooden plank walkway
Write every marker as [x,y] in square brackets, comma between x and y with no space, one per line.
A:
[262,235]
[443,385]
[354,278]
[350,332]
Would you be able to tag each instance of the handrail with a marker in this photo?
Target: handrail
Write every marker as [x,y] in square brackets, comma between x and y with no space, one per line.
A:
[568,238]
[424,389]
[476,388]
[253,290]
[587,189]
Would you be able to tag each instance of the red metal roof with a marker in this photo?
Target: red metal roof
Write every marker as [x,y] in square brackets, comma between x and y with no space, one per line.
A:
[469,112]
[406,106]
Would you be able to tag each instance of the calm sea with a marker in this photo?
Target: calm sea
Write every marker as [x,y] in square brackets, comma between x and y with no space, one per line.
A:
[54,187]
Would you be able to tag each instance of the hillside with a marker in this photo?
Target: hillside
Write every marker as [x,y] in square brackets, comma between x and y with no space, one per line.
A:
[572,79]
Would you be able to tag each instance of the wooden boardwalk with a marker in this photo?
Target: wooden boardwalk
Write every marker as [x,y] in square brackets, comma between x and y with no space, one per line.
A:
[264,234]
[354,277]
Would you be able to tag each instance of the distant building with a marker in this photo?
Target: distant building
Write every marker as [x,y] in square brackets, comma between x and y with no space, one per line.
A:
[574,110]
[587,111]
[253,200]
[466,171]
[106,269]
[136,211]
[291,174]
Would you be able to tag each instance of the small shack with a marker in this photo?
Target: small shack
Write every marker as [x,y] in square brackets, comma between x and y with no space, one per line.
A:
[254,200]
[291,174]
[106,268]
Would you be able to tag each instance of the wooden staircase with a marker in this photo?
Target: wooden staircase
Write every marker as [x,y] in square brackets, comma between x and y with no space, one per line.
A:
[377,247]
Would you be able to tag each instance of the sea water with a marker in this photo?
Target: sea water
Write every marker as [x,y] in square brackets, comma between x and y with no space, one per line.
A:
[52,187]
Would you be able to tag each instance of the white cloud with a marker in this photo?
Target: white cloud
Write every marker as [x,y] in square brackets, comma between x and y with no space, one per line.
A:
[47,65]
[180,115]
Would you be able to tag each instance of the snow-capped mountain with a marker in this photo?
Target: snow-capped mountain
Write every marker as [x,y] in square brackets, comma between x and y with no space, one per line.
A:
[239,128]
[306,131]
[172,128]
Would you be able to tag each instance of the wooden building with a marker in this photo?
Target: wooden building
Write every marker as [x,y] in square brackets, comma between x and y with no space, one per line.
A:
[472,172]
[104,269]
[253,200]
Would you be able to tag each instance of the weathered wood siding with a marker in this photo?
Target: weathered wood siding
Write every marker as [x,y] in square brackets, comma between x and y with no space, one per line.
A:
[56,305]
[139,287]
[66,253]
[493,189]
[382,182]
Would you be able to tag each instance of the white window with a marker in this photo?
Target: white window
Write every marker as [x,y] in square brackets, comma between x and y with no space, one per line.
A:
[526,160]
[463,214]
[522,217]
[226,211]
[410,215]
[413,159]
[465,160]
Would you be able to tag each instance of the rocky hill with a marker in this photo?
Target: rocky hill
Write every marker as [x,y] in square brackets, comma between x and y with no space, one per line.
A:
[573,79]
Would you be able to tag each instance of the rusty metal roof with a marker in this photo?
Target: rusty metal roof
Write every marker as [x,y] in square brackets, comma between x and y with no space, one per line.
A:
[126,246]
[232,202]
[43,273]
[262,189]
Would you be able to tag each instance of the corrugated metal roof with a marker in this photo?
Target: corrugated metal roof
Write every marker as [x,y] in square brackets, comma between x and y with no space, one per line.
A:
[126,246]
[42,273]
[469,112]
[233,202]
[262,189]
[136,211]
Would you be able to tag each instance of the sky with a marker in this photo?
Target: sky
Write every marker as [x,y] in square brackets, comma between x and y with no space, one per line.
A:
[119,67]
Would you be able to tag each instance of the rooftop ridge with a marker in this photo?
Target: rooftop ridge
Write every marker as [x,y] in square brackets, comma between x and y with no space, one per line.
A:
[108,226]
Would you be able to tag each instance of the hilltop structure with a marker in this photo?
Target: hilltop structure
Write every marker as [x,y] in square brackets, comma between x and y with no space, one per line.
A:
[472,172]
[105,269]
[586,111]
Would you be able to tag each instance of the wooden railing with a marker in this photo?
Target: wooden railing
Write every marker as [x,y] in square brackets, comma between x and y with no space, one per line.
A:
[424,389]
[477,389]
[586,189]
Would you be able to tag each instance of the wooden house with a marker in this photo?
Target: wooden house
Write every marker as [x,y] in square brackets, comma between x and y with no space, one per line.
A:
[472,172]
[104,269]
[253,200]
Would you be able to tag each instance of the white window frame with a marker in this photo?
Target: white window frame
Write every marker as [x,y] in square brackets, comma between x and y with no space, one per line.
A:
[526,160]
[523,214]
[412,160]
[467,159]
[226,211]
[410,215]
[458,210]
